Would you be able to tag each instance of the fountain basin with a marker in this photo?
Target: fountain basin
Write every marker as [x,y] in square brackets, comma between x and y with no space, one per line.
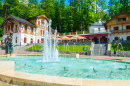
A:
[21,78]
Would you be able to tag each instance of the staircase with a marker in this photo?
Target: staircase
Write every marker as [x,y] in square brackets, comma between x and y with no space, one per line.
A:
[21,48]
[100,49]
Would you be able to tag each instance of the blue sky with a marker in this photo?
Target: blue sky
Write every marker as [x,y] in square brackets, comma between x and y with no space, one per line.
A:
[66,1]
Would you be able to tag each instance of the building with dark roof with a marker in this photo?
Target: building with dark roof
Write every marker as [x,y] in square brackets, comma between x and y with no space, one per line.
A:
[25,31]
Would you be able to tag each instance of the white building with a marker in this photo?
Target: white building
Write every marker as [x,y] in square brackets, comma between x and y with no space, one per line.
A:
[25,31]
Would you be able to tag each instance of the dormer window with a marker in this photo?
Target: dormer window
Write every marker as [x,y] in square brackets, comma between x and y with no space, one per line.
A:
[121,19]
[124,19]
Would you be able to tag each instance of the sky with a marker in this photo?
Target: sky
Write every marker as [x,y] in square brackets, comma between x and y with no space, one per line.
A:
[66,1]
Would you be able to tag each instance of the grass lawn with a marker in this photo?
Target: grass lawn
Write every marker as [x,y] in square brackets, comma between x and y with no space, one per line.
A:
[126,47]
[36,48]
[73,48]
[0,39]
[62,48]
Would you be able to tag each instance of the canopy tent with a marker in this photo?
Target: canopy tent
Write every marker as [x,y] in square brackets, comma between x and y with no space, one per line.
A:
[94,35]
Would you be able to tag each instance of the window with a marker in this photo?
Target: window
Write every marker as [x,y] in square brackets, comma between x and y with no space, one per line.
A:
[128,27]
[16,40]
[41,32]
[99,30]
[116,38]
[31,40]
[25,29]
[121,19]
[8,27]
[11,28]
[116,28]
[31,30]
[42,22]
[124,19]
[16,30]
[42,40]
[38,41]
[38,22]
[25,40]
[128,37]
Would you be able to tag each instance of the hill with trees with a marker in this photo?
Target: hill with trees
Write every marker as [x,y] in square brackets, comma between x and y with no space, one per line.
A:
[77,15]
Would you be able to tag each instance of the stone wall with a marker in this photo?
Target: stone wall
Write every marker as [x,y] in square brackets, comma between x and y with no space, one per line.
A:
[73,52]
[122,54]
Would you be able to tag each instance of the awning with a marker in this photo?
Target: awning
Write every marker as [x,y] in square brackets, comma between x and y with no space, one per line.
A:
[94,35]
[69,36]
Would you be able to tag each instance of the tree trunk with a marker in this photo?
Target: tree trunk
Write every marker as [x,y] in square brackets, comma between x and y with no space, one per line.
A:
[6,12]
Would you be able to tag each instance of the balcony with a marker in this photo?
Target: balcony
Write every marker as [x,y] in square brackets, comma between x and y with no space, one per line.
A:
[120,31]
[74,33]
[116,31]
[126,30]
[122,22]
[97,31]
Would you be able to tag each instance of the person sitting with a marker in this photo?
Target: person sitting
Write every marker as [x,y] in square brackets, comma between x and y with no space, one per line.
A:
[114,53]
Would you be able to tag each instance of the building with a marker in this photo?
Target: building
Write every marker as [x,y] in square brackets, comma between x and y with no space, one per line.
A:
[119,26]
[25,31]
[31,30]
[102,32]
[97,33]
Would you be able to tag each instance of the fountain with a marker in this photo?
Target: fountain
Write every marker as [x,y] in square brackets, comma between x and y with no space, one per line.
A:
[50,52]
[122,49]
[92,51]
[9,46]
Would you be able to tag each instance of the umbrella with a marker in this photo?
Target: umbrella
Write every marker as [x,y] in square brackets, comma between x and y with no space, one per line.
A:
[65,38]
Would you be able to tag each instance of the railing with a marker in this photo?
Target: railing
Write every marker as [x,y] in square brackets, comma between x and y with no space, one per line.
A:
[97,31]
[118,31]
[119,22]
[74,33]
[126,30]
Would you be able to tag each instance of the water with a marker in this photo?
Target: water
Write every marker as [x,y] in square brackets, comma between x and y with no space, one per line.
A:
[92,51]
[121,47]
[50,52]
[75,68]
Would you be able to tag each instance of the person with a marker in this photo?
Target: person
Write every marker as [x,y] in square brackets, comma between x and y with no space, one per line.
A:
[113,39]
[114,52]
[122,39]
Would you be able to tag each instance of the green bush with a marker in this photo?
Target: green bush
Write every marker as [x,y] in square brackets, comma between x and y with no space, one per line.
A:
[0,39]
[126,47]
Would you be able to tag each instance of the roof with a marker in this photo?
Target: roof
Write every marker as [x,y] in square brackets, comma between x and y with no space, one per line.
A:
[97,24]
[38,16]
[22,20]
[10,22]
[117,15]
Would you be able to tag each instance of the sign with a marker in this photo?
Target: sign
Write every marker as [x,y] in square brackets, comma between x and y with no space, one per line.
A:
[85,48]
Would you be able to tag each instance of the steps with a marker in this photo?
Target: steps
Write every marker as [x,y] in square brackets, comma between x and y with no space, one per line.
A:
[21,48]
[99,49]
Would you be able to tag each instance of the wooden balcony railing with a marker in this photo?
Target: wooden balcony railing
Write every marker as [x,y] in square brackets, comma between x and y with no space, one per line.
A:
[73,33]
[126,30]
[120,22]
[120,31]
[116,31]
